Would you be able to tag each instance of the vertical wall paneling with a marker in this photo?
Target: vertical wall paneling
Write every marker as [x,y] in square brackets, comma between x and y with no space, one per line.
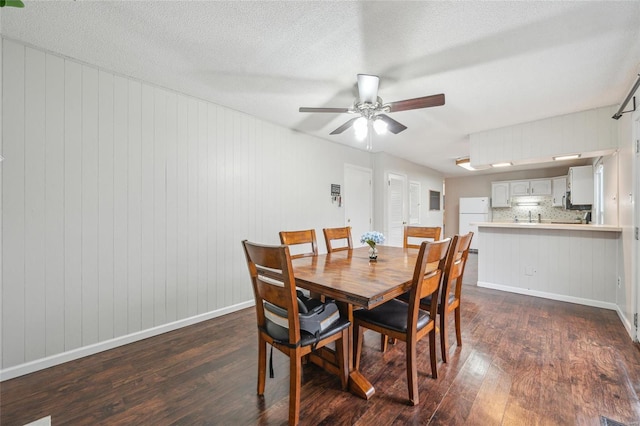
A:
[54,205]
[227,202]
[220,205]
[89,193]
[182,208]
[13,204]
[124,204]
[120,205]
[34,186]
[134,208]
[202,215]
[159,207]
[146,211]
[212,294]
[105,205]
[72,205]
[192,206]
[171,132]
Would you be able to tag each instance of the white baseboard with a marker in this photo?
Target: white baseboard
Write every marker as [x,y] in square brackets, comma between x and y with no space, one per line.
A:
[552,296]
[627,325]
[50,361]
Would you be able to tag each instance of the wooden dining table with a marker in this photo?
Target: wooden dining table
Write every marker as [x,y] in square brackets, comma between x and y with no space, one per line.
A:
[353,281]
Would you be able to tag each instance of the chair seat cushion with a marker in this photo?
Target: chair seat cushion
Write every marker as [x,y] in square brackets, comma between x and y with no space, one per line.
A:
[425,300]
[281,334]
[392,314]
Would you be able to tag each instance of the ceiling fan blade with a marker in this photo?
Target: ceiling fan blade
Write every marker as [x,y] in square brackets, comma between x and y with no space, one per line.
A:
[311,109]
[417,103]
[344,127]
[368,88]
[392,125]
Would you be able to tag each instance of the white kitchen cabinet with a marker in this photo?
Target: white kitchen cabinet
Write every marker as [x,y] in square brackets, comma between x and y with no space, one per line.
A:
[519,187]
[500,194]
[540,187]
[580,184]
[559,188]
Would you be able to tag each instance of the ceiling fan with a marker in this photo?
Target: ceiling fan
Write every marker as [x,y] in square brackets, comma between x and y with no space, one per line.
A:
[373,112]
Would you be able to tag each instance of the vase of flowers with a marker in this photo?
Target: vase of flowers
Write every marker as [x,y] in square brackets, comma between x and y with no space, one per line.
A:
[372,238]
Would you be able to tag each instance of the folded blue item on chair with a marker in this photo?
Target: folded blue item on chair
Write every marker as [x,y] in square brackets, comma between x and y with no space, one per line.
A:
[314,315]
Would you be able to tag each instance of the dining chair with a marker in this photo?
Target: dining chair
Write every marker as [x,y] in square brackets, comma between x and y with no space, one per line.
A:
[273,281]
[305,238]
[406,321]
[423,232]
[336,234]
[429,232]
[450,294]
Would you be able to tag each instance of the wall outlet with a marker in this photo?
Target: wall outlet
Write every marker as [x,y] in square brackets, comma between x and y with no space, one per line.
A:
[619,282]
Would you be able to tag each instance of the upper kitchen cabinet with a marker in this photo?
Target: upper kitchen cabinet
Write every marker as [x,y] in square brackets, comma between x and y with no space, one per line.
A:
[540,187]
[580,185]
[519,187]
[559,194]
[500,194]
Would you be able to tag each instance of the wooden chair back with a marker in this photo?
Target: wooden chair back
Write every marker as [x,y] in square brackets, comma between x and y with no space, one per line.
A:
[423,232]
[299,238]
[336,234]
[427,277]
[454,269]
[263,261]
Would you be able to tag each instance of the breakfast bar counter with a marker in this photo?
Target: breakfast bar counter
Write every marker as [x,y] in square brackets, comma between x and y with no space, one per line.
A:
[571,262]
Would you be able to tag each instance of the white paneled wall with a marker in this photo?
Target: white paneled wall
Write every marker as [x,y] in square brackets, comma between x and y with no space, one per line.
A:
[124,204]
[571,265]
[591,131]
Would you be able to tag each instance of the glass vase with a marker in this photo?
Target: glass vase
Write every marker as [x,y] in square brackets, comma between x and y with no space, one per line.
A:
[373,253]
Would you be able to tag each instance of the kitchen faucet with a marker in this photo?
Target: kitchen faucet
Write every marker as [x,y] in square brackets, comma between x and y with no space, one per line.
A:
[529,216]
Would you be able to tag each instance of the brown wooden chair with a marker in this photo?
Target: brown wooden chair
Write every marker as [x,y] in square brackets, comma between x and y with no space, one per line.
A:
[263,262]
[451,291]
[296,238]
[423,232]
[334,234]
[406,321]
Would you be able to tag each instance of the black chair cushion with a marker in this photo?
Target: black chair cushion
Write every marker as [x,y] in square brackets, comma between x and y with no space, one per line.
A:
[281,334]
[392,314]
[425,300]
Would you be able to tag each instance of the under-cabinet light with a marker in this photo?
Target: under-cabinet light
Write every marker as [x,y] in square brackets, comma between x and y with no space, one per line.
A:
[464,163]
[566,157]
[528,203]
[501,165]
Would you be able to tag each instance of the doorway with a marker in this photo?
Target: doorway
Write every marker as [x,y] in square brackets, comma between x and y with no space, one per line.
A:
[396,195]
[358,201]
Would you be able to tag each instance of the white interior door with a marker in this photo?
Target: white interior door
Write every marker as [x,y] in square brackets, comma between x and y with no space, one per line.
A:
[358,201]
[396,189]
[414,203]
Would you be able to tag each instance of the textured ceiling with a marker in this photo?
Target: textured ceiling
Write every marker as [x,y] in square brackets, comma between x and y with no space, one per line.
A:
[498,63]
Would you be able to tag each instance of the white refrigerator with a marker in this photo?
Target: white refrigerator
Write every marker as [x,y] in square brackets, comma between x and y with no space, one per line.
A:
[473,210]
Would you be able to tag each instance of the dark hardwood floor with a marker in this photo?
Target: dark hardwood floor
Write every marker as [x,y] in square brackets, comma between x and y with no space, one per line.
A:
[523,361]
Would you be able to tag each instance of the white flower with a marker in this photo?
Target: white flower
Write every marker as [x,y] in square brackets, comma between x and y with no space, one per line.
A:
[372,238]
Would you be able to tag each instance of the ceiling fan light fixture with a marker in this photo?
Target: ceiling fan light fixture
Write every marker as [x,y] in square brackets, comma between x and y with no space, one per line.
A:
[380,126]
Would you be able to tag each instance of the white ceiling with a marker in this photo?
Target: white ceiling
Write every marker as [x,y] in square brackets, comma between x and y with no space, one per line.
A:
[498,63]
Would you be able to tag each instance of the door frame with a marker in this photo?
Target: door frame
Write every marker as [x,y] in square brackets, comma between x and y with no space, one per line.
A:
[387,203]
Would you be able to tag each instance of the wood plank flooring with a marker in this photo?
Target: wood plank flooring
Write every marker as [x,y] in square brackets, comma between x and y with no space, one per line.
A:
[524,361]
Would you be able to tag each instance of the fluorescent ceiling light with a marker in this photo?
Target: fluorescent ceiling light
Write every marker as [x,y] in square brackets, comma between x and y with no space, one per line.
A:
[464,163]
[501,165]
[566,157]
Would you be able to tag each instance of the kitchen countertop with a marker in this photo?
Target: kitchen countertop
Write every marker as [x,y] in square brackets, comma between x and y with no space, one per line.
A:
[547,225]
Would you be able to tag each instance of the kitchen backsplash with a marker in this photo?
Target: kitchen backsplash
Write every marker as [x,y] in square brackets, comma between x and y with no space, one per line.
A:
[548,213]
